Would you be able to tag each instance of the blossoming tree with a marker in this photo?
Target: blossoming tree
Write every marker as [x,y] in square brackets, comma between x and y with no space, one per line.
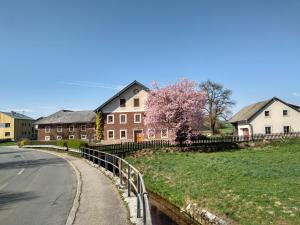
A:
[178,107]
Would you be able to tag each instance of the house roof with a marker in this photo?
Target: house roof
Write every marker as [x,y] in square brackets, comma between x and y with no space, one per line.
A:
[68,116]
[16,115]
[121,92]
[248,112]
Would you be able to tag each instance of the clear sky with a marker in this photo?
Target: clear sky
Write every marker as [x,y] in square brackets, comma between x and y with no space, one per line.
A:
[75,54]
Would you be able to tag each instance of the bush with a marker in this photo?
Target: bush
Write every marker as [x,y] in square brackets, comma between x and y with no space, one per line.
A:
[23,142]
[62,143]
[76,144]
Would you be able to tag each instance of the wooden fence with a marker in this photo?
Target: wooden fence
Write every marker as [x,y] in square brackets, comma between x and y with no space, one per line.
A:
[127,147]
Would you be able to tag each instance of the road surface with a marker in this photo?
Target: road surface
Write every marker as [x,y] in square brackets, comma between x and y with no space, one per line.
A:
[36,188]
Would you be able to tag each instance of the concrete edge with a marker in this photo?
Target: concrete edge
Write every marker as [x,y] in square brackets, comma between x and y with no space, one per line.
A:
[76,201]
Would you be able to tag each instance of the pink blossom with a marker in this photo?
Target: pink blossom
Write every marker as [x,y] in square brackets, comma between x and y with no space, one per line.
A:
[179,106]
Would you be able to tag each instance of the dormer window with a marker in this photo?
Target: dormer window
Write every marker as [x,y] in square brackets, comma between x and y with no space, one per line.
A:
[285,112]
[122,102]
[267,113]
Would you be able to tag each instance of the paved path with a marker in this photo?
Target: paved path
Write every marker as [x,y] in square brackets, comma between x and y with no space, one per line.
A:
[36,188]
[100,202]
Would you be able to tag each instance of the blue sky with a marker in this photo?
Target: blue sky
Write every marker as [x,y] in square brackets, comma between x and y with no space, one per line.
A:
[75,54]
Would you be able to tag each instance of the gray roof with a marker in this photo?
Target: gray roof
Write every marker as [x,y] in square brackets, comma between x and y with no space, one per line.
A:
[68,116]
[121,92]
[18,116]
[248,112]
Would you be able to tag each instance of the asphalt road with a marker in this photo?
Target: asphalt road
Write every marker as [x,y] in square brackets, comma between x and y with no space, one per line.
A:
[36,188]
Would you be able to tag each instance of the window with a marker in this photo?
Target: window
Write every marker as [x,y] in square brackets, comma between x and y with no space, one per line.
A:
[151,133]
[59,130]
[110,119]
[47,129]
[110,134]
[122,102]
[7,125]
[83,137]
[285,112]
[47,138]
[286,129]
[59,137]
[137,118]
[7,134]
[268,130]
[136,102]
[123,119]
[267,113]
[164,133]
[71,128]
[71,137]
[83,127]
[123,134]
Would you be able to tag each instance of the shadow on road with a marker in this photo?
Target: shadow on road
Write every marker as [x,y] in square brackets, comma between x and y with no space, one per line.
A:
[11,152]
[31,163]
[9,198]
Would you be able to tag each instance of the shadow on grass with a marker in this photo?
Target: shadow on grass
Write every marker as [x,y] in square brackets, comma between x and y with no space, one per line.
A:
[10,198]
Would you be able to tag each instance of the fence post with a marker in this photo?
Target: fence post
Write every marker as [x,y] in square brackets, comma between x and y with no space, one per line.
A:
[138,186]
[128,180]
[114,165]
[105,162]
[120,172]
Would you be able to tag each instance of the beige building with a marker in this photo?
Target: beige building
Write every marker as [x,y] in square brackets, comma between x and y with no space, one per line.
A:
[14,126]
[272,116]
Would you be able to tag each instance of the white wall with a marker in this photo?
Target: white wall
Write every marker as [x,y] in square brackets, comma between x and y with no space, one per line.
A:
[276,120]
[129,95]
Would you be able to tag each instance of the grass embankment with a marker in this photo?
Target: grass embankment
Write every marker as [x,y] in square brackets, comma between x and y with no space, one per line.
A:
[10,143]
[249,187]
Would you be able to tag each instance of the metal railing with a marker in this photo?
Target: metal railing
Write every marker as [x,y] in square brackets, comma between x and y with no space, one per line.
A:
[128,176]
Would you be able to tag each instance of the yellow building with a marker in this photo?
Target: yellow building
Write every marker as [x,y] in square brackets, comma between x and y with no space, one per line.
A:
[14,126]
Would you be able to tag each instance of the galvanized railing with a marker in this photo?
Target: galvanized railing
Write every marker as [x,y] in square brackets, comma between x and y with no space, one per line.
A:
[128,176]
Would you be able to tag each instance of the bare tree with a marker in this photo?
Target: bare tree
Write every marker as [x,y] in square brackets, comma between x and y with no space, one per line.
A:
[218,103]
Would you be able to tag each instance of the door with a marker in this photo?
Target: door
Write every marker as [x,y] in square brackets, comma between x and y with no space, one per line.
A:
[245,134]
[138,136]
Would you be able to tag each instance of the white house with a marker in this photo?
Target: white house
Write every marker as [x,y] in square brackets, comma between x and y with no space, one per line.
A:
[267,117]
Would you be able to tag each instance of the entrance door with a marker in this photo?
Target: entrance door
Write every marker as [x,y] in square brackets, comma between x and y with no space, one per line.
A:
[246,133]
[138,136]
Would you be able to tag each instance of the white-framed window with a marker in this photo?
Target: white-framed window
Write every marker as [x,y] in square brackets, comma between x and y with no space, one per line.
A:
[83,127]
[123,134]
[123,118]
[285,112]
[151,133]
[110,134]
[268,130]
[137,118]
[83,136]
[71,137]
[71,128]
[59,137]
[47,129]
[164,133]
[110,119]
[286,129]
[59,129]
[267,113]
[47,138]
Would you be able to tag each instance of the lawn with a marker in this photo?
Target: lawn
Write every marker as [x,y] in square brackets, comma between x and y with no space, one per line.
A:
[249,187]
[10,143]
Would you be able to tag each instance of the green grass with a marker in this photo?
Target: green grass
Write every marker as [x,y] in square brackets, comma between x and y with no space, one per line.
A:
[10,143]
[249,187]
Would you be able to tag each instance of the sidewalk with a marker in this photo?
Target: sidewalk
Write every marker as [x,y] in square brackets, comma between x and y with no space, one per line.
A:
[99,201]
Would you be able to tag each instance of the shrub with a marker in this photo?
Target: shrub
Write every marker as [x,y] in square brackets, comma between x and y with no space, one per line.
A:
[23,142]
[76,144]
[62,143]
